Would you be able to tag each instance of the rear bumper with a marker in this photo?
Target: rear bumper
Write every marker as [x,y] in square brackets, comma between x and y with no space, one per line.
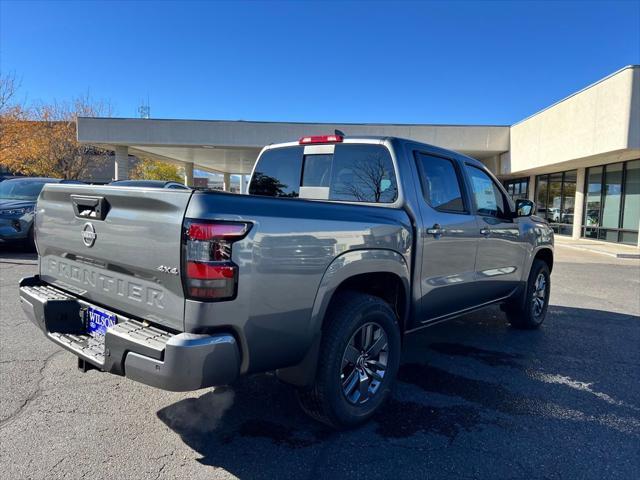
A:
[146,354]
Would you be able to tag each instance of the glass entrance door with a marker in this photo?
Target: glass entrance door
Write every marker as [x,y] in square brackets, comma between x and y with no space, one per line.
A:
[612,202]
[555,197]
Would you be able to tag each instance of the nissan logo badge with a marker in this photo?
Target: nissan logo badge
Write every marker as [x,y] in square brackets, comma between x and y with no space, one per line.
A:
[88,235]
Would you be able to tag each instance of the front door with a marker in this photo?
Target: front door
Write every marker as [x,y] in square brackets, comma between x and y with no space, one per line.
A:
[501,248]
[449,238]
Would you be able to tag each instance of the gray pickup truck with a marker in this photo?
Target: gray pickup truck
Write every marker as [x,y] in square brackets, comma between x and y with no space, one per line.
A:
[343,245]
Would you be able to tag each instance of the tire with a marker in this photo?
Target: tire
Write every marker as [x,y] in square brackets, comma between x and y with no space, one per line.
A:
[529,312]
[30,242]
[335,398]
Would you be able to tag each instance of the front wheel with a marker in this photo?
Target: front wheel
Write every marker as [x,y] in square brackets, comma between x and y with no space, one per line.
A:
[531,311]
[358,362]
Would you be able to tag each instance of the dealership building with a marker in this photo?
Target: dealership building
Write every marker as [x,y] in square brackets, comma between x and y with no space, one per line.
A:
[578,159]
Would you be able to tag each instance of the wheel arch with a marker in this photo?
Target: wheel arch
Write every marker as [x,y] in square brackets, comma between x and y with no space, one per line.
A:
[546,255]
[370,271]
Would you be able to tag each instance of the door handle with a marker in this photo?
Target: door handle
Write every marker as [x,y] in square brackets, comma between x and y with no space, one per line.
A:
[485,231]
[436,230]
[95,208]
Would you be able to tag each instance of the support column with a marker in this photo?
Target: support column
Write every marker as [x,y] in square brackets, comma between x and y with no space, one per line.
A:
[578,205]
[243,184]
[227,182]
[122,163]
[532,188]
[188,174]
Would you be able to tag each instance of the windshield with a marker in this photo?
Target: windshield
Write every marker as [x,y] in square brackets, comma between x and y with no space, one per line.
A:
[21,189]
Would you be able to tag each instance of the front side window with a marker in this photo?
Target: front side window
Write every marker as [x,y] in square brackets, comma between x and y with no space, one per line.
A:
[441,186]
[487,196]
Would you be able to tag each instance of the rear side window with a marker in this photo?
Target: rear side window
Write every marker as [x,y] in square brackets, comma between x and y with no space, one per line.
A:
[353,173]
[440,183]
[363,173]
[278,173]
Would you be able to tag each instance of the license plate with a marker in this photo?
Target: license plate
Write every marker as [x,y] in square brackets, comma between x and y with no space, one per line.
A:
[98,321]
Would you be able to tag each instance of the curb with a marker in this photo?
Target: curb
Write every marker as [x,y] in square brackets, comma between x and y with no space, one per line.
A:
[626,256]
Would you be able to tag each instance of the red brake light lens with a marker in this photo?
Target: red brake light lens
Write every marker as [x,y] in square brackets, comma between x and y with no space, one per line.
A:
[209,273]
[208,231]
[320,139]
[204,271]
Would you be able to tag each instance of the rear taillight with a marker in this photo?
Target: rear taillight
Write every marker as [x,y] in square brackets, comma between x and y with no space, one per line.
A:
[320,139]
[208,272]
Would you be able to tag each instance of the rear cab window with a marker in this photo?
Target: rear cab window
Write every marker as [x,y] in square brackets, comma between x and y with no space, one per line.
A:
[277,173]
[352,173]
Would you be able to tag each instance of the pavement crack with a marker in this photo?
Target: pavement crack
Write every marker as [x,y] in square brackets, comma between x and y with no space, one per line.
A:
[33,396]
[30,360]
[160,471]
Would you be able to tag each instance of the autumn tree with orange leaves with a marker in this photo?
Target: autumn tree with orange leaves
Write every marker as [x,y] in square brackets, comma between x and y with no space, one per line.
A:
[41,139]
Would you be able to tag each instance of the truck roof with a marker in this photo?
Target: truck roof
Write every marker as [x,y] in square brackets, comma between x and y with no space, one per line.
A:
[381,139]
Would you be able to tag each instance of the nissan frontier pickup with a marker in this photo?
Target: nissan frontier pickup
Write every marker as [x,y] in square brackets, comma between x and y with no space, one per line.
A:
[342,246]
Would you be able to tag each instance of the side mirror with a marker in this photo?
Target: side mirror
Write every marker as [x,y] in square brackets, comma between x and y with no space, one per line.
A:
[524,208]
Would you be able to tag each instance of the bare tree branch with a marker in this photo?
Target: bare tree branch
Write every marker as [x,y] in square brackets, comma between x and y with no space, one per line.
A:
[369,174]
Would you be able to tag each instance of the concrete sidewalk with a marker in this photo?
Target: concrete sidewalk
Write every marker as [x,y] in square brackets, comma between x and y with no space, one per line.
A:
[616,250]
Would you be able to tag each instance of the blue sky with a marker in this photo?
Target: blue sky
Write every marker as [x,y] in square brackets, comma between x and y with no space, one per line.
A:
[418,62]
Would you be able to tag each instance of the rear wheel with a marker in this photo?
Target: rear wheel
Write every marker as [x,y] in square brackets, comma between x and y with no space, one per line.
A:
[358,362]
[530,312]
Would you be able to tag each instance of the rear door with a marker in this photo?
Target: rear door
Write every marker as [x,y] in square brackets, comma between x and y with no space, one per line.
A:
[501,248]
[449,238]
[119,247]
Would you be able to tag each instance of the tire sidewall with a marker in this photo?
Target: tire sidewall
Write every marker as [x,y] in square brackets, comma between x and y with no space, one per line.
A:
[347,413]
[538,268]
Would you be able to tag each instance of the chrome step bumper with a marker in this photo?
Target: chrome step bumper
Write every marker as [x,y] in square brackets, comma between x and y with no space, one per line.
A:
[137,350]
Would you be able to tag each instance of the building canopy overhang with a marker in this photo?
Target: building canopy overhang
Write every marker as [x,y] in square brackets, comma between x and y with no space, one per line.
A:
[599,124]
[233,146]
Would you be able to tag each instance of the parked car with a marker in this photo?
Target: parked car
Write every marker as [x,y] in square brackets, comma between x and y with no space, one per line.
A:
[18,197]
[342,246]
[149,184]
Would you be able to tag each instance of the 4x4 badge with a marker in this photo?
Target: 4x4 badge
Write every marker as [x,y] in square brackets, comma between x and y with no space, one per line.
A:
[165,269]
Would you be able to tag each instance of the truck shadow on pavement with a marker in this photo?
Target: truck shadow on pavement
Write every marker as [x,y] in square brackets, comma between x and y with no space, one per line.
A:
[456,380]
[15,252]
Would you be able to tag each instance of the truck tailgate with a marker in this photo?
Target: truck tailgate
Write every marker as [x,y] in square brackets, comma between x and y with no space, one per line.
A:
[119,247]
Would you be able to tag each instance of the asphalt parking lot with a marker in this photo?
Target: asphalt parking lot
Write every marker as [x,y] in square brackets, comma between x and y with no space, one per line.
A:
[476,399]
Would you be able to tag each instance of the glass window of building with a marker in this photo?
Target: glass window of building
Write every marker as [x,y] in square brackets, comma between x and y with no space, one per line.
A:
[593,199]
[541,195]
[567,202]
[631,209]
[517,188]
[555,197]
[612,202]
